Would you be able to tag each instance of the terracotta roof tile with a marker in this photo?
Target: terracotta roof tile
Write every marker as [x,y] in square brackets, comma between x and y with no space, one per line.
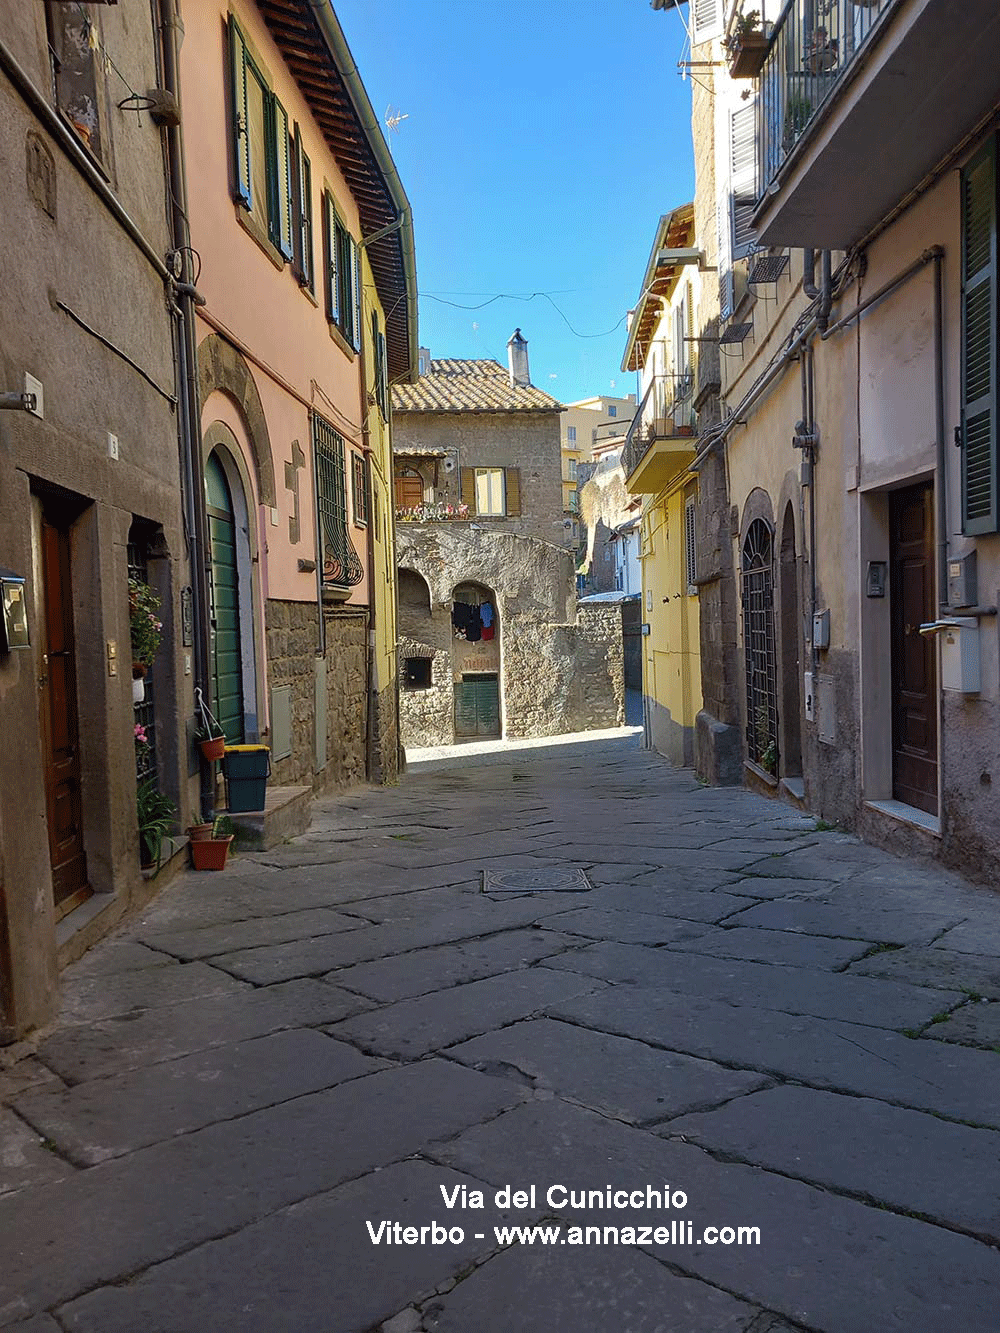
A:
[469,386]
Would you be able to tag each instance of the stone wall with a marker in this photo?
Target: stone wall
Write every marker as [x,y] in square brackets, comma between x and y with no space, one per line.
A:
[561,669]
[385,738]
[525,440]
[292,640]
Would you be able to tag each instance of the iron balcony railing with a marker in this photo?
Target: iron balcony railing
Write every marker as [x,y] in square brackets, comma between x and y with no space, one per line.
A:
[813,45]
[665,411]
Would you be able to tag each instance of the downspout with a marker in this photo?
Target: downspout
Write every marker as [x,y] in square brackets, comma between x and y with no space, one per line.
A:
[942,466]
[809,274]
[825,293]
[370,671]
[190,412]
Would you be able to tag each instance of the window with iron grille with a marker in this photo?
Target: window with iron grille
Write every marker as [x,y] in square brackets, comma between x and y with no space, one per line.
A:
[758,647]
[340,563]
[690,550]
[359,483]
[146,767]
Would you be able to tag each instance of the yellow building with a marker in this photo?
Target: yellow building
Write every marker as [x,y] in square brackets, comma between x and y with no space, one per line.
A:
[657,458]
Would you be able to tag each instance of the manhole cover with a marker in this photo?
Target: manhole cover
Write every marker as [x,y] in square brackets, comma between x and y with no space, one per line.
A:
[547,879]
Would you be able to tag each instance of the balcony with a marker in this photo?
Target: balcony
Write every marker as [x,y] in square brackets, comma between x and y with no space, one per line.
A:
[437,511]
[858,100]
[660,442]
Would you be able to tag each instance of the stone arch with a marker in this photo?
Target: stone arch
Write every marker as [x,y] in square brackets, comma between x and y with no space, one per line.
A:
[414,591]
[757,505]
[222,368]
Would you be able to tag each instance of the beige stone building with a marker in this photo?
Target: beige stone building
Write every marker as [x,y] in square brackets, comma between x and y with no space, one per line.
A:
[858,331]
[491,640]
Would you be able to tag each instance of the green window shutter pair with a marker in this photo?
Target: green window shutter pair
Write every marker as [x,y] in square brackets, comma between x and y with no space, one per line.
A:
[979,343]
[278,172]
[302,218]
[342,263]
[330,259]
[381,382]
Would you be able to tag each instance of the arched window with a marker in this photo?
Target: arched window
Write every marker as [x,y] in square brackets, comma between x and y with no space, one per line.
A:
[758,646]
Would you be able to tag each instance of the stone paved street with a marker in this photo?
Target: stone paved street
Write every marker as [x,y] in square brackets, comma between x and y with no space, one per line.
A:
[797,1031]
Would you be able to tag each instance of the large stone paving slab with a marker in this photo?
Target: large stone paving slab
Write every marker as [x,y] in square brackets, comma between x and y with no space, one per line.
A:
[229,936]
[910,1161]
[664,899]
[86,999]
[625,926]
[114,1219]
[975,1024]
[794,990]
[935,966]
[308,1269]
[979,935]
[829,1262]
[858,923]
[624,1079]
[24,1159]
[774,946]
[540,1290]
[950,1080]
[412,1028]
[103,1049]
[108,1117]
[410,974]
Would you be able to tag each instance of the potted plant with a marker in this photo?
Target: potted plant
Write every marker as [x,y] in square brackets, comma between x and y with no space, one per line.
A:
[199,832]
[747,46]
[211,740]
[210,853]
[145,631]
[155,813]
[798,111]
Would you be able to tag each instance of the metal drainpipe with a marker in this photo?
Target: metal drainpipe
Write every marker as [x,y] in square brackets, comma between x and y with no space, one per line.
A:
[189,415]
[826,292]
[370,553]
[809,274]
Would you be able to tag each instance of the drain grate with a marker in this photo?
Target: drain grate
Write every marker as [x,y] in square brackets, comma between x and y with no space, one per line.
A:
[546,879]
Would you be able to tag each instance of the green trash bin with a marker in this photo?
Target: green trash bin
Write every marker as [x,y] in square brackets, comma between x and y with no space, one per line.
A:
[247,769]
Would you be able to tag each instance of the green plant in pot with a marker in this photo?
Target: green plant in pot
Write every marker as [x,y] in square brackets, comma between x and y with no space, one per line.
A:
[210,853]
[156,814]
[145,626]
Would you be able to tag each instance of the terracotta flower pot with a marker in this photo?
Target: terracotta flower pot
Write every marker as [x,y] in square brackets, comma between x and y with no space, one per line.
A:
[199,832]
[214,748]
[211,853]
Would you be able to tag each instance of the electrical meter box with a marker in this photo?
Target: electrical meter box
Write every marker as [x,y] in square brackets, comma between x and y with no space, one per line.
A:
[960,668]
[962,589]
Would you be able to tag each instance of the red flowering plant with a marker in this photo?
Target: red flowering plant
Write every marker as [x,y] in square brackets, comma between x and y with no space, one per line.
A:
[145,626]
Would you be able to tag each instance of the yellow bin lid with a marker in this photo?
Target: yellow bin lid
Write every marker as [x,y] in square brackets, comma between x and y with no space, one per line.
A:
[246,749]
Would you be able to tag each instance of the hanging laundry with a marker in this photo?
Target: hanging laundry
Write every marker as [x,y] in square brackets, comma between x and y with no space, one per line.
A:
[488,632]
[474,629]
[486,615]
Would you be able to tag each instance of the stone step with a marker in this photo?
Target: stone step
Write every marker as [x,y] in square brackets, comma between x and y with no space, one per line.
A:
[286,814]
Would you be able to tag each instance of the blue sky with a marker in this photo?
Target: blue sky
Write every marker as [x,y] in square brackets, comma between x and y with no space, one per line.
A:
[542,142]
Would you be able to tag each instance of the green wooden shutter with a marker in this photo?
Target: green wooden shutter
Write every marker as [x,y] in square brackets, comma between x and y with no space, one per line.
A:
[279,178]
[330,258]
[383,373]
[238,113]
[355,322]
[979,343]
[512,485]
[469,489]
[303,215]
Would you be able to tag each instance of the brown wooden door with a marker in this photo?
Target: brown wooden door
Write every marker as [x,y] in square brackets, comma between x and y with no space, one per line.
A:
[914,656]
[409,490]
[60,731]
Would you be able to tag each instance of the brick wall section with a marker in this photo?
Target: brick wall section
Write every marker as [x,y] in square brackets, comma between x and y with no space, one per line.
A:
[292,637]
[525,440]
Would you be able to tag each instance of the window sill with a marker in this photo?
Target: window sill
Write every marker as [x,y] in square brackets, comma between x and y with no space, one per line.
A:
[759,772]
[308,294]
[256,232]
[340,340]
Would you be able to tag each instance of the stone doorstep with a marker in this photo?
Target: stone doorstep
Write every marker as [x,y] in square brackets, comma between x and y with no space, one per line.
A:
[286,814]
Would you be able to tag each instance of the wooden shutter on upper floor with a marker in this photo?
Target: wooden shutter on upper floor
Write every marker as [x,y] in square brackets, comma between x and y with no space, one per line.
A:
[743,176]
[512,485]
[303,229]
[469,488]
[240,130]
[356,304]
[979,343]
[706,20]
[280,211]
[331,259]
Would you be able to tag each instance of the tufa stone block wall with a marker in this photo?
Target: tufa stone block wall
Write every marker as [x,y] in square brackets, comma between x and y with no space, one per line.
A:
[525,440]
[346,698]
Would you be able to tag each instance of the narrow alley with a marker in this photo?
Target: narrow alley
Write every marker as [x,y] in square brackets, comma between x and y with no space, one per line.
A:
[526,973]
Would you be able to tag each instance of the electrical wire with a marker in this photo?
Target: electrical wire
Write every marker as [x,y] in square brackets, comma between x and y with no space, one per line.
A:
[517,296]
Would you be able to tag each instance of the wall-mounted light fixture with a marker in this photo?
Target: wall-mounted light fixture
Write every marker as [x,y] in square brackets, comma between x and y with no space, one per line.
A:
[13,612]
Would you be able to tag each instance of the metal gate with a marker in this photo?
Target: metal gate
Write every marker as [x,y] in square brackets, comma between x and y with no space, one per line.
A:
[758,646]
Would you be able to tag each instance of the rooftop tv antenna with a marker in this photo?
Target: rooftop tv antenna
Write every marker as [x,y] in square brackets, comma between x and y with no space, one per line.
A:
[392,118]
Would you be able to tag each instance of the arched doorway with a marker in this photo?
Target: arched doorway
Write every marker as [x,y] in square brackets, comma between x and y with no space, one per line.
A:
[231,597]
[757,566]
[790,633]
[475,658]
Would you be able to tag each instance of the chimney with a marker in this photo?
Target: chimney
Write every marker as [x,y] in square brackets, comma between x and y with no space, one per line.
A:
[517,360]
[424,361]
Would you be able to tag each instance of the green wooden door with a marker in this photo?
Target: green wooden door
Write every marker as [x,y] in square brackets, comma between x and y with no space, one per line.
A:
[477,706]
[227,683]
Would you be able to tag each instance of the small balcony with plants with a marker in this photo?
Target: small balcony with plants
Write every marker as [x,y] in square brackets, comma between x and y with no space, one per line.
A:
[857,101]
[660,441]
[432,511]
[746,42]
